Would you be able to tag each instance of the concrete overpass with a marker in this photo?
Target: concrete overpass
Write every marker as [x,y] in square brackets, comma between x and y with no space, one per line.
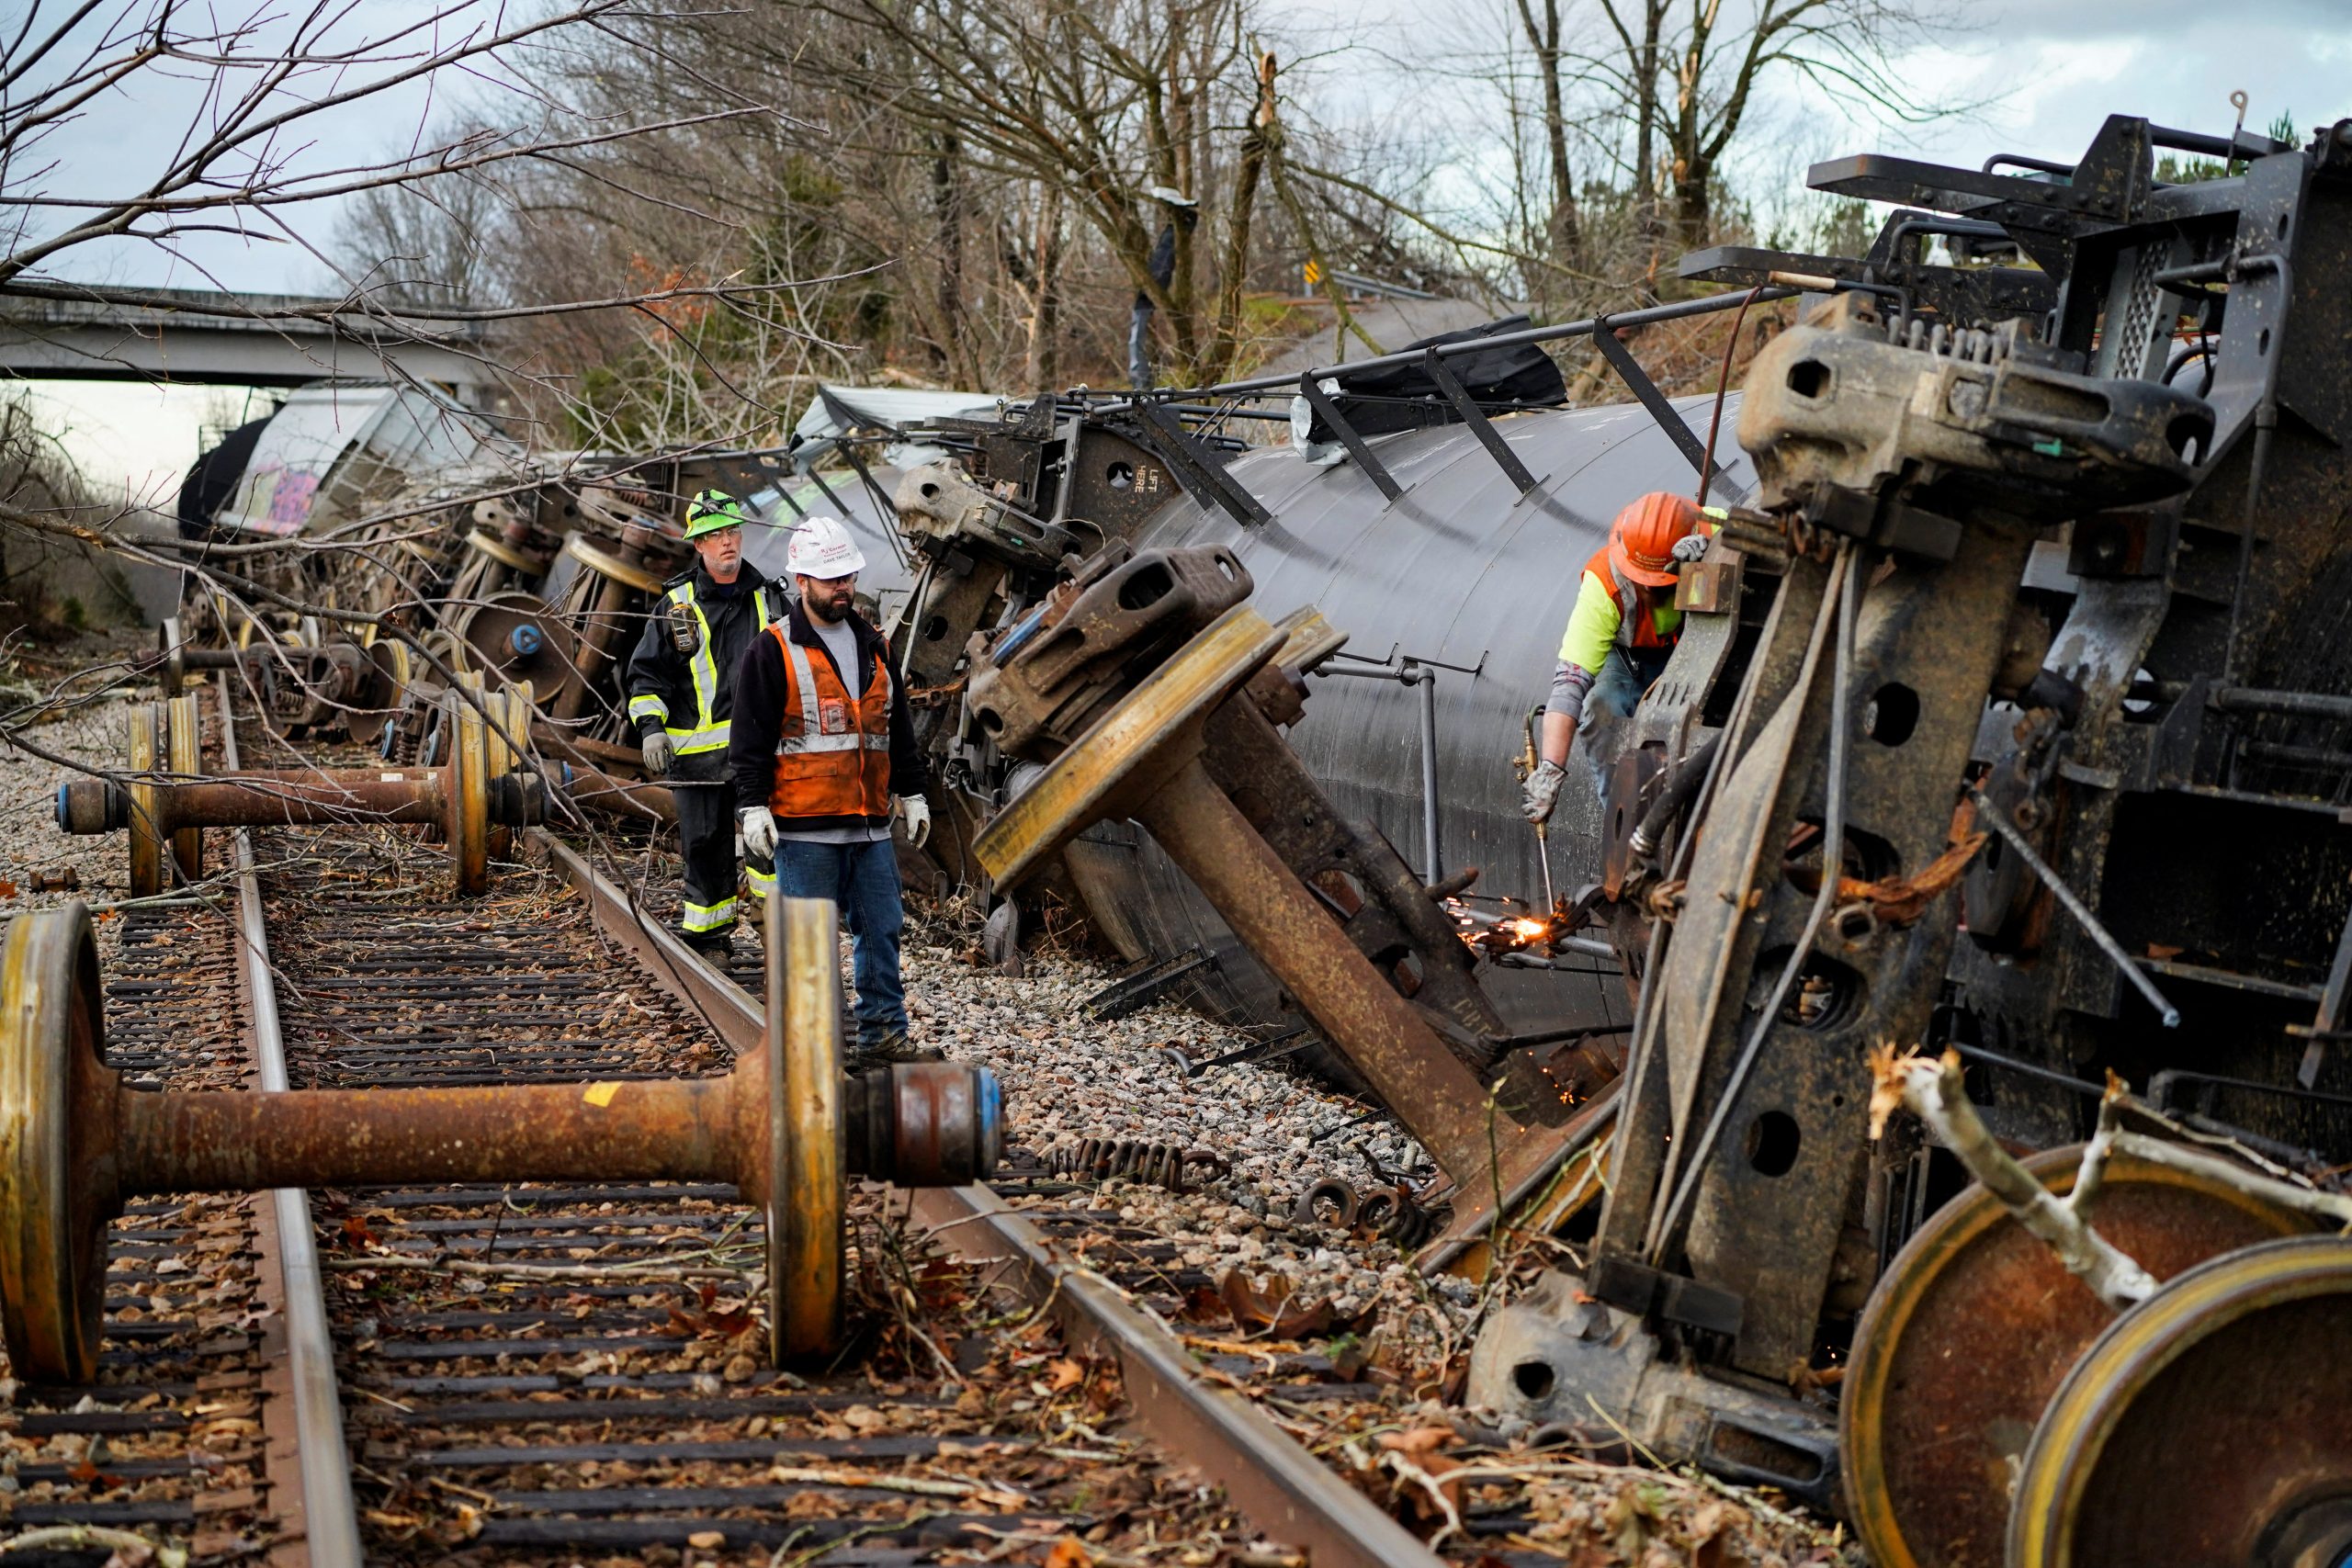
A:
[189,336]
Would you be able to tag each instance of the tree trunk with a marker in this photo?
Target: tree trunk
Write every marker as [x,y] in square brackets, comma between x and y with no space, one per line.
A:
[947,214]
[1563,230]
[1044,356]
[1693,200]
[1226,335]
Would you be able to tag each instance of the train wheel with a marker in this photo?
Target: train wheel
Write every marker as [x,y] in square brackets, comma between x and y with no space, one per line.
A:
[147,749]
[468,804]
[604,563]
[807,1174]
[1972,1328]
[1131,750]
[2212,1423]
[183,745]
[53,1199]
[387,685]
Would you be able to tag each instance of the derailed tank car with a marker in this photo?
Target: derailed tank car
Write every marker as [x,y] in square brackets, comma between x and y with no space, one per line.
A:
[1453,595]
[2011,724]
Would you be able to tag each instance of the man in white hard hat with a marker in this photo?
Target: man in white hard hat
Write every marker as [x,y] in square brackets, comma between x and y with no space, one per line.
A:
[822,749]
[681,682]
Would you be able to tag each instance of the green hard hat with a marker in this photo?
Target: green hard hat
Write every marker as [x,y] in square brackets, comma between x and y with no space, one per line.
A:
[713,510]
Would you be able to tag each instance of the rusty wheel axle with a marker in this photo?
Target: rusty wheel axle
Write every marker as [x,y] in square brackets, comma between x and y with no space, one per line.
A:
[77,1142]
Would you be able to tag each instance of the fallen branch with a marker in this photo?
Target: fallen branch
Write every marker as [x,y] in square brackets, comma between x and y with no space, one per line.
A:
[2334,1208]
[1930,1090]
[658,1272]
[82,1538]
[916,1485]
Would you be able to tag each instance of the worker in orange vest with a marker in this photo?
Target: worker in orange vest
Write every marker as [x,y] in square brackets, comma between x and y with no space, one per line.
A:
[1621,633]
[822,753]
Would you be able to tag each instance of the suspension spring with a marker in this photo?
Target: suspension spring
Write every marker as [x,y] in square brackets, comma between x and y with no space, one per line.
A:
[1170,1166]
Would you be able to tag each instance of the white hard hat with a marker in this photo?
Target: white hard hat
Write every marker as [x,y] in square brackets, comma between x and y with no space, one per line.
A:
[822,549]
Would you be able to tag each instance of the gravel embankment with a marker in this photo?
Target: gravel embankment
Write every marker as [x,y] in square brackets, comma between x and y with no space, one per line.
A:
[43,699]
[1069,1077]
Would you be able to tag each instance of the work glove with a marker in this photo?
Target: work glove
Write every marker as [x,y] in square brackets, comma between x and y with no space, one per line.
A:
[758,824]
[1690,547]
[660,752]
[1542,792]
[916,812]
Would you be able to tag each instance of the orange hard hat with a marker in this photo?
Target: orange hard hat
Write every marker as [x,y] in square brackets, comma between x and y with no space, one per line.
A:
[1641,540]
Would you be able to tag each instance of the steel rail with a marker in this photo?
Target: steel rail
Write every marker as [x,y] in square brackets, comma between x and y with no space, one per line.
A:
[1285,1490]
[1282,1489]
[324,1513]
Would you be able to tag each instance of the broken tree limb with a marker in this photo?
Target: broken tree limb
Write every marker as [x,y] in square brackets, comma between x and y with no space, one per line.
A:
[2330,1207]
[1930,1090]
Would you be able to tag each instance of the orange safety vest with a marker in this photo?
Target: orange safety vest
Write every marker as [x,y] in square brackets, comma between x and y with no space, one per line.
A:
[1636,617]
[839,765]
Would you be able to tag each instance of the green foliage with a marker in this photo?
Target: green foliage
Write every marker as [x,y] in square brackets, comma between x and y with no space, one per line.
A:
[1848,228]
[2173,169]
[2178,171]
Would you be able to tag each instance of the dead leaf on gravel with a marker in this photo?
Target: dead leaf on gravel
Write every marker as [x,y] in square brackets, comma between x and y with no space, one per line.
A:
[1273,1311]
[1422,1447]
[1067,1552]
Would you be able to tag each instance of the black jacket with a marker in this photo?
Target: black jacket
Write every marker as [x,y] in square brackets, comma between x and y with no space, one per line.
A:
[656,668]
[760,690]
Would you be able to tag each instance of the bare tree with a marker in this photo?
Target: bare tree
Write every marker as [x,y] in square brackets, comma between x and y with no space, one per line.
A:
[1688,83]
[1106,103]
[1564,231]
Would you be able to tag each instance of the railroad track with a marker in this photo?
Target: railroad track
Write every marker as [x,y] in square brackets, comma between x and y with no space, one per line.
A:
[568,1371]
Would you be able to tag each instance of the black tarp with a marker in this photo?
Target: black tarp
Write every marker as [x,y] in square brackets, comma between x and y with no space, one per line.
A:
[1403,397]
[213,479]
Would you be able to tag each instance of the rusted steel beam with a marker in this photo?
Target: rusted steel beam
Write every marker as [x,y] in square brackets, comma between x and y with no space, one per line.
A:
[292,796]
[682,1130]
[1280,922]
[1139,752]
[610,794]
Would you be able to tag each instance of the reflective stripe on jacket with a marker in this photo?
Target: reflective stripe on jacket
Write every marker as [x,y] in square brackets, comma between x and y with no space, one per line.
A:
[832,752]
[705,732]
[1611,611]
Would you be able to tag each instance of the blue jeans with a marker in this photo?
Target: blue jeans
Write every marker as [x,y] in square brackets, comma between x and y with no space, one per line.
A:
[1617,690]
[863,882]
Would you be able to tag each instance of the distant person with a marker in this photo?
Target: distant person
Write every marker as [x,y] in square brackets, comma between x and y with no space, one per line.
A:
[1181,210]
[681,686]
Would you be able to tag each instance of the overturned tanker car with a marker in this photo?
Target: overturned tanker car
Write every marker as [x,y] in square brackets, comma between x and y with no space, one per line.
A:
[2010,719]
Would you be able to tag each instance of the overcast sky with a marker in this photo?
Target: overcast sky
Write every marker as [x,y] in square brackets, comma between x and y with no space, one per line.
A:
[2050,69]
[2047,72]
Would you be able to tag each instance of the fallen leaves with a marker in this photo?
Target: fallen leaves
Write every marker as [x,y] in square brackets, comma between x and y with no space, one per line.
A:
[1272,1312]
[710,1318]
[1419,1460]
[86,1473]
